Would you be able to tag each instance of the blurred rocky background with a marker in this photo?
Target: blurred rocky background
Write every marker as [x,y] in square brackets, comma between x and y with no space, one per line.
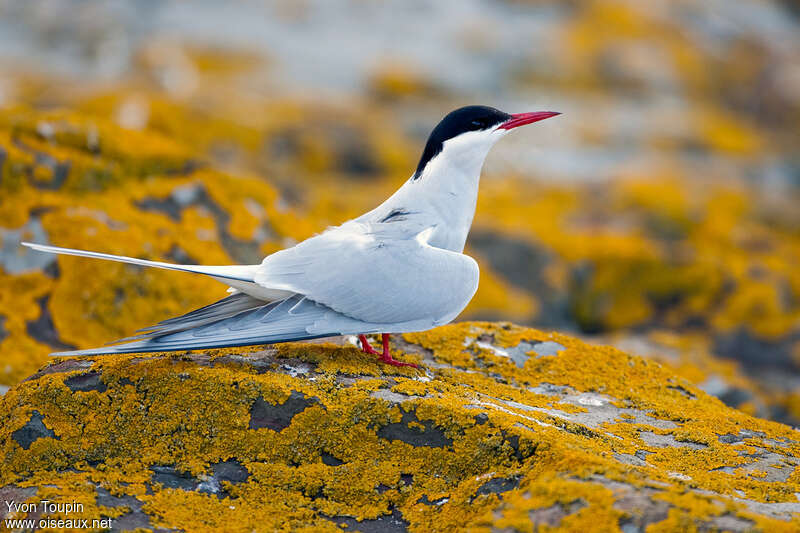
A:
[659,213]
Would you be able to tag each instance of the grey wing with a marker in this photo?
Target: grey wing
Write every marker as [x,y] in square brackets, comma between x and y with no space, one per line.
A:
[292,319]
[220,310]
[375,273]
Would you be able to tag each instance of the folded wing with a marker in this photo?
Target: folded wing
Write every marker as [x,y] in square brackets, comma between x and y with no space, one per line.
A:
[286,320]
[376,273]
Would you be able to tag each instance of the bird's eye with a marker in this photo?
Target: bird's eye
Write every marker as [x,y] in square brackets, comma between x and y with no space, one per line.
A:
[479,123]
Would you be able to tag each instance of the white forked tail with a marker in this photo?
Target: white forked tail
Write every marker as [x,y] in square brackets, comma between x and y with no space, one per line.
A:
[241,273]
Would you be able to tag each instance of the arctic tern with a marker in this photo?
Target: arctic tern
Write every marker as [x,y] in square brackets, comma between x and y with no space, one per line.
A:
[398,268]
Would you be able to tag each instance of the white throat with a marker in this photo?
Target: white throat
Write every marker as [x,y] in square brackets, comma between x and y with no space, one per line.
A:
[444,195]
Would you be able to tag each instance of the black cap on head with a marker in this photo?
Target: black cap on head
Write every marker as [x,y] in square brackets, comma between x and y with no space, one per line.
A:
[464,119]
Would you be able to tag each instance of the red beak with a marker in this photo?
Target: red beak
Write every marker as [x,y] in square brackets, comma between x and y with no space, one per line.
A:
[520,119]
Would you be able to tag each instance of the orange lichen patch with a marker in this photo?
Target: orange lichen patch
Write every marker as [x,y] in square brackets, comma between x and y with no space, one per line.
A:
[19,298]
[394,81]
[664,200]
[691,357]
[593,501]
[688,509]
[610,43]
[228,62]
[73,141]
[762,302]
[286,138]
[792,404]
[726,133]
[314,435]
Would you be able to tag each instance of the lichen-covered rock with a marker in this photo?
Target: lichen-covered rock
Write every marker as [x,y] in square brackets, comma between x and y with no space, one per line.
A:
[504,428]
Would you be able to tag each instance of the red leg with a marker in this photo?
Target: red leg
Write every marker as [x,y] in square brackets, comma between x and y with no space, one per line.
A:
[386,356]
[366,347]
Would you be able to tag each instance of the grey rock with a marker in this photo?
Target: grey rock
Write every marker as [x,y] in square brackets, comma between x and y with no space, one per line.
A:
[32,431]
[16,259]
[429,436]
[668,441]
[547,348]
[278,417]
[89,381]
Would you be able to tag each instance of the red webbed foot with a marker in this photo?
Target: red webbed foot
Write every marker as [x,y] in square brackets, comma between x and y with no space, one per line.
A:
[386,356]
